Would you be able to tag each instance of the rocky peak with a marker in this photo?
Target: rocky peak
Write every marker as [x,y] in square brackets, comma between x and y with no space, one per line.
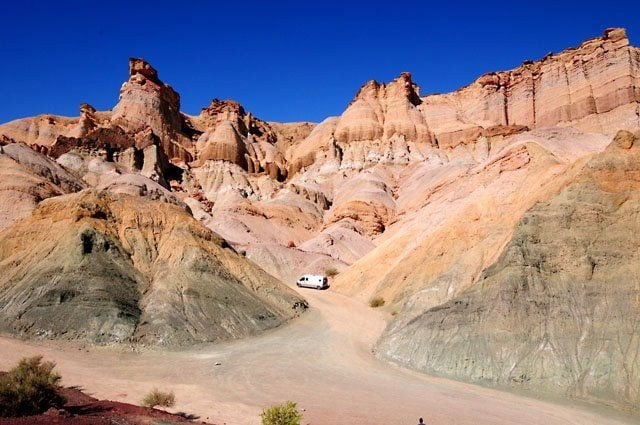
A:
[139,66]
[615,34]
[384,112]
[231,134]
[148,103]
[401,87]
[87,121]
[86,109]
[224,110]
[218,106]
[369,89]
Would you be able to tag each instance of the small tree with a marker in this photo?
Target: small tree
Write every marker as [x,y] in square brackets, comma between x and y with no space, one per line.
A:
[159,398]
[30,388]
[282,414]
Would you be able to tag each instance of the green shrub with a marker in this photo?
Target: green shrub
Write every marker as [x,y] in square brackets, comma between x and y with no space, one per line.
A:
[282,414]
[30,388]
[376,302]
[331,272]
[159,398]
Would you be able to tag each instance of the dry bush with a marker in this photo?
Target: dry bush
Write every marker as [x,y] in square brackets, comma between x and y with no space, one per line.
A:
[376,302]
[159,398]
[282,414]
[30,388]
[331,272]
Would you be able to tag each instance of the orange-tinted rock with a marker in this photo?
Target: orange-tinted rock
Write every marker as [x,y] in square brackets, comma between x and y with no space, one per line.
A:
[231,134]
[380,111]
[147,102]
[574,86]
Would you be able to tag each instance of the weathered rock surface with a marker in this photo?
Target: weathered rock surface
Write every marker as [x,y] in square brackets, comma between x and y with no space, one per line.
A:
[233,135]
[110,267]
[558,312]
[26,178]
[594,87]
[381,111]
[451,221]
[232,164]
[148,103]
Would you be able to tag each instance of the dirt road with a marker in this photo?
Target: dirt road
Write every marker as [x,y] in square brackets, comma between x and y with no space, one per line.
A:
[321,360]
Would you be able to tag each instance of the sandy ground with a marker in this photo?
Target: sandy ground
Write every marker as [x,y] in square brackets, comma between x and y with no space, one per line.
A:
[321,360]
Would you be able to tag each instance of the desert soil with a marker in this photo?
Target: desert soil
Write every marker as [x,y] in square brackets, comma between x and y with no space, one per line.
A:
[322,360]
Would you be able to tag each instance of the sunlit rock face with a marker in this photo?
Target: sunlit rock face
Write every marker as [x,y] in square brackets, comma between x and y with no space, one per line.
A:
[410,198]
[594,87]
[231,134]
[558,311]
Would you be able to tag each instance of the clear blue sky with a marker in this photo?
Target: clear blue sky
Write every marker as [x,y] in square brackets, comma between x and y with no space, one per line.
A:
[284,61]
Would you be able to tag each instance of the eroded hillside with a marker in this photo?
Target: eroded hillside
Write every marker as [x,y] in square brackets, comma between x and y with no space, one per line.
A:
[559,310]
[113,267]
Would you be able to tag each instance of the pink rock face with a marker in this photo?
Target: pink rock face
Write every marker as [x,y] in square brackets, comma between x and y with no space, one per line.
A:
[380,111]
[222,143]
[594,87]
[575,87]
[231,134]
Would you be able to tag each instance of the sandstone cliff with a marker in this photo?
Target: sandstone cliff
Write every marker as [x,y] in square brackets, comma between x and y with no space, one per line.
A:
[594,87]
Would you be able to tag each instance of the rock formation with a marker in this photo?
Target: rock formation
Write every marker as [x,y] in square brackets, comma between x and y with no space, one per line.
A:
[381,111]
[147,102]
[594,87]
[230,134]
[559,310]
[26,178]
[112,267]
[412,198]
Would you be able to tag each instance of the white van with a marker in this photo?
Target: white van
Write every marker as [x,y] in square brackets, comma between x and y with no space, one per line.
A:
[313,281]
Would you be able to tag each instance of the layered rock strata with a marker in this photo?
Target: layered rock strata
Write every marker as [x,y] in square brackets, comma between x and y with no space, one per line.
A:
[558,312]
[112,267]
